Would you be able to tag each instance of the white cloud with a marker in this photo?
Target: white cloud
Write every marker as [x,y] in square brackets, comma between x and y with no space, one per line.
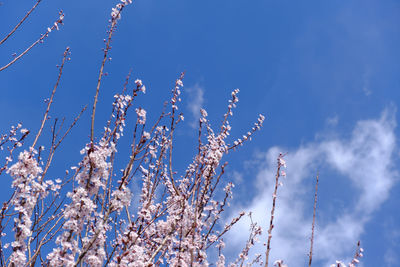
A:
[237,177]
[195,103]
[363,161]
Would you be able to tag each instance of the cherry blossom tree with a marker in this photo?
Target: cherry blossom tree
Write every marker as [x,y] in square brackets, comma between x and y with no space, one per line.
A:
[85,218]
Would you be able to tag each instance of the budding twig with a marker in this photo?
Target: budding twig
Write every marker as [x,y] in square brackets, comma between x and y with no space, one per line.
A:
[60,69]
[20,22]
[106,50]
[313,222]
[281,163]
[42,37]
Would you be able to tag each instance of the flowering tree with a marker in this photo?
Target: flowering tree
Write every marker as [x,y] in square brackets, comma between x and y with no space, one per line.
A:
[85,219]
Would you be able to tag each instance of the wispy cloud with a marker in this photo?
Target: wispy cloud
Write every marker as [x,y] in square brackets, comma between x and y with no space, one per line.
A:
[366,82]
[391,258]
[364,161]
[392,236]
[195,103]
[332,121]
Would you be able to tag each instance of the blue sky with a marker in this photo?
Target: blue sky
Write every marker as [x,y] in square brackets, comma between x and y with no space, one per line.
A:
[325,75]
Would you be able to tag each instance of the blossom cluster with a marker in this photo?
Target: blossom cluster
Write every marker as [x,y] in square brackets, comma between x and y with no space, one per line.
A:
[26,182]
[116,11]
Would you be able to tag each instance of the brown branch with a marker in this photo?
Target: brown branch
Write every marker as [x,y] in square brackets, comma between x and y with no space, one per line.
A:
[21,21]
[70,127]
[106,50]
[42,37]
[271,222]
[313,222]
[54,145]
[60,69]
[175,97]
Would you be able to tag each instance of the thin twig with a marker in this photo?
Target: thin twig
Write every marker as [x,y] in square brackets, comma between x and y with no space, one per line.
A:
[21,21]
[60,69]
[313,222]
[42,37]
[108,47]
[281,163]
